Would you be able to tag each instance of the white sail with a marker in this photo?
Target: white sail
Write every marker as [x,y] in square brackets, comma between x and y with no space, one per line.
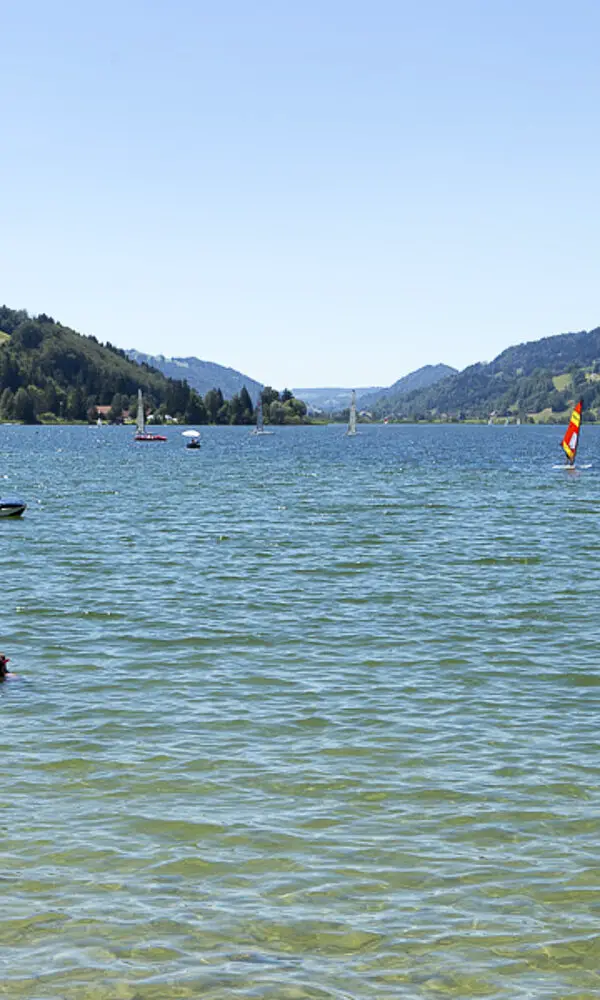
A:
[140,414]
[352,420]
[260,420]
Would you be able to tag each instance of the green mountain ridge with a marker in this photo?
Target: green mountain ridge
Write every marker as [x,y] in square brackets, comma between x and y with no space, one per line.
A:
[422,378]
[49,369]
[521,380]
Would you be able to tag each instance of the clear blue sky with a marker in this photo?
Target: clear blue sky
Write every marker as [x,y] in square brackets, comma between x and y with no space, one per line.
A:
[330,192]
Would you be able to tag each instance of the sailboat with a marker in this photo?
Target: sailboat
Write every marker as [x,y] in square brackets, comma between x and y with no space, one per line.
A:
[352,421]
[570,442]
[141,433]
[260,420]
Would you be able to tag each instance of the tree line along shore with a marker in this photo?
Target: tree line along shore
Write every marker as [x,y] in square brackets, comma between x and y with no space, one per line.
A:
[49,373]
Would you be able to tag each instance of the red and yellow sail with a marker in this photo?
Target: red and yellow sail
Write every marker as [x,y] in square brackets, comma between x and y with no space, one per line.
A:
[571,438]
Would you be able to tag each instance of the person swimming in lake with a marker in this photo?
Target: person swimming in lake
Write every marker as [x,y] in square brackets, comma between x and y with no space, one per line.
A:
[5,674]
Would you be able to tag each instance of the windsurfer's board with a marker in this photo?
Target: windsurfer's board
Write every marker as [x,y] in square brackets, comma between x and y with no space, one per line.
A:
[573,468]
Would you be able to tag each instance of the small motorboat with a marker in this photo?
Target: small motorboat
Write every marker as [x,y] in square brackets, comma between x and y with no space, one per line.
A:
[12,507]
[193,439]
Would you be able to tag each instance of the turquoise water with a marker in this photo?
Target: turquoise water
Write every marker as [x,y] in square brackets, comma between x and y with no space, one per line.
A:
[300,716]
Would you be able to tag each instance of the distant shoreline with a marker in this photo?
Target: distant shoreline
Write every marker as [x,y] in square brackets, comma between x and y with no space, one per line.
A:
[470,422]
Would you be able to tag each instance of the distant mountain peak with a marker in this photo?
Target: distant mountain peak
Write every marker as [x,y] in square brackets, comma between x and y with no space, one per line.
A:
[200,375]
[422,378]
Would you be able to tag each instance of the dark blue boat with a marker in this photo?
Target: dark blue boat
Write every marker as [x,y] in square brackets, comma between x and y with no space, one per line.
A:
[12,507]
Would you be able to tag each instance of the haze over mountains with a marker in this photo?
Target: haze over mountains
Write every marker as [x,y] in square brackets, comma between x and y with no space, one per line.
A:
[205,375]
[331,399]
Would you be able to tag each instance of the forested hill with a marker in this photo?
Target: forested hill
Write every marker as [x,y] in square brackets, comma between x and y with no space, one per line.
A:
[555,354]
[48,370]
[538,378]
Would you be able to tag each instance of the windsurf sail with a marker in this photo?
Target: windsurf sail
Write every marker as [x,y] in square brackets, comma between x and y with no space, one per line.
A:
[571,438]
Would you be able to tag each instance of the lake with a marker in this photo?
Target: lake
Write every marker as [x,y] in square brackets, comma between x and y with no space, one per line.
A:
[300,716]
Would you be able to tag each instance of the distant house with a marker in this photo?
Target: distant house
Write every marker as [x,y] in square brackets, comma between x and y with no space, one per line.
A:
[103,412]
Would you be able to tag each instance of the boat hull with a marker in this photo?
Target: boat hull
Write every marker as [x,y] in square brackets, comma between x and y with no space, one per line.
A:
[149,437]
[12,508]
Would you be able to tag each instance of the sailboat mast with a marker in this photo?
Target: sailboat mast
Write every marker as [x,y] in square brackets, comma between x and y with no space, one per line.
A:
[352,421]
[140,413]
[580,428]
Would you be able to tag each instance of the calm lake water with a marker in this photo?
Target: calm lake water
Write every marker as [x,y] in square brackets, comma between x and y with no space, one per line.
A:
[300,716]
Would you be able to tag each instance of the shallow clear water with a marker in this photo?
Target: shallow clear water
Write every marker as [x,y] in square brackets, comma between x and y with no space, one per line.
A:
[300,716]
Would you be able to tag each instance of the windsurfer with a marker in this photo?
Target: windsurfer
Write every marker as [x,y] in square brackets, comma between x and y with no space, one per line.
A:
[571,438]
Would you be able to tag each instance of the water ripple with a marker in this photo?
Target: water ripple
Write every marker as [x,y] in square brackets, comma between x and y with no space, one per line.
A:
[305,718]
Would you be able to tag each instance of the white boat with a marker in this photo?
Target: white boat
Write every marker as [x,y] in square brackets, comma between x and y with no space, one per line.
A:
[12,507]
[352,421]
[260,421]
[141,433]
